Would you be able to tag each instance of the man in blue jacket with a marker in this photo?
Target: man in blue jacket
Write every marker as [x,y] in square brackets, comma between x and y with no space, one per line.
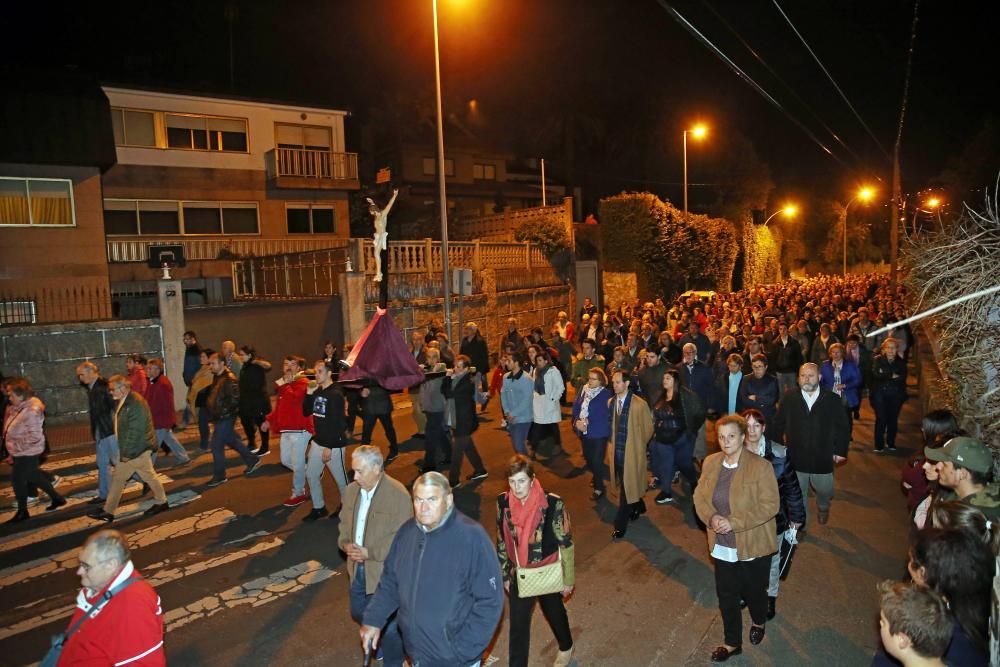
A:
[443,578]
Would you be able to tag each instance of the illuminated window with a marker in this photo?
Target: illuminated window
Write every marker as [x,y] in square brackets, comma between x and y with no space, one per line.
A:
[39,202]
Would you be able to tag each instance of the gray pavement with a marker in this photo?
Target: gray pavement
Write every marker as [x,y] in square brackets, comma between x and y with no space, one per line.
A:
[244,582]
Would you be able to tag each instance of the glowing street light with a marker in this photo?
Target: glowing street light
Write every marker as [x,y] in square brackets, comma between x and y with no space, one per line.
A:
[931,205]
[698,132]
[865,194]
[789,210]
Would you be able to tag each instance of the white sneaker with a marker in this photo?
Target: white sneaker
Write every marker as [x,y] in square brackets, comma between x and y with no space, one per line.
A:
[56,481]
[33,500]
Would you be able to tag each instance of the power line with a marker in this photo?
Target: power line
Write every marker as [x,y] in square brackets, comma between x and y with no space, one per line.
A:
[772,72]
[832,81]
[749,80]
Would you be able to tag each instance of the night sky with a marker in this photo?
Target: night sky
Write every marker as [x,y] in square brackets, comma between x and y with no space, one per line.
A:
[625,66]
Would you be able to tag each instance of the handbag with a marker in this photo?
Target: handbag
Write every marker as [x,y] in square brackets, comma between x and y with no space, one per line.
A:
[51,658]
[544,580]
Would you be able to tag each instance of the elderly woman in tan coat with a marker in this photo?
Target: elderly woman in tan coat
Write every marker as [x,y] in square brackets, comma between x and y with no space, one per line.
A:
[738,499]
[631,430]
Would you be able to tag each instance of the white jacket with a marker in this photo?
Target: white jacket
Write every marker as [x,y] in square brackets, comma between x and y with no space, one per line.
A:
[545,408]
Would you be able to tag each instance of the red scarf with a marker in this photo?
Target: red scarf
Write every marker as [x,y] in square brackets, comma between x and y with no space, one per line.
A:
[525,517]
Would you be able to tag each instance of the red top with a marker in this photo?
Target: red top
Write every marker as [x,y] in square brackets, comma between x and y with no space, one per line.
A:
[126,631]
[160,396]
[287,414]
[137,377]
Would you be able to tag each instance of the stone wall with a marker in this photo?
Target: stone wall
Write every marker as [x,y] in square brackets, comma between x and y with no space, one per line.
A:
[618,287]
[48,356]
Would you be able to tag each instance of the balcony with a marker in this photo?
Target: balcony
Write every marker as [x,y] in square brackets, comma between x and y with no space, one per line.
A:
[301,168]
[126,250]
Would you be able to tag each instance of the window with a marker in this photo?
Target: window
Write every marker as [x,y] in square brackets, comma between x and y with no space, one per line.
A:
[430,163]
[133,128]
[484,172]
[43,202]
[18,312]
[303,137]
[162,218]
[137,127]
[310,219]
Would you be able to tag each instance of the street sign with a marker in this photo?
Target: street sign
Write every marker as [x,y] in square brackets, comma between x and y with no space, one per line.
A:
[461,282]
[384,175]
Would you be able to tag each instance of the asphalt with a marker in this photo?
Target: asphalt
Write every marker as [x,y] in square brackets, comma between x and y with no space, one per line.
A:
[243,581]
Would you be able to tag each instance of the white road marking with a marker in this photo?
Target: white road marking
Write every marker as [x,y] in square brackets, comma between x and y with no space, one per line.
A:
[67,560]
[72,500]
[76,480]
[70,526]
[254,593]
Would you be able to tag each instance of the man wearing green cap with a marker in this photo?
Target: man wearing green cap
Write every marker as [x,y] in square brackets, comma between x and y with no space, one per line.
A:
[965,465]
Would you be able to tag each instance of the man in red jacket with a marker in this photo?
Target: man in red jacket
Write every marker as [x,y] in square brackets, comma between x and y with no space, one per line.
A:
[160,396]
[127,628]
[296,429]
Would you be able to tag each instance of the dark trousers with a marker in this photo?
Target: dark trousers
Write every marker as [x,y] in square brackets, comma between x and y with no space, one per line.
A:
[353,399]
[203,428]
[368,425]
[27,473]
[677,455]
[225,434]
[743,580]
[435,440]
[887,407]
[520,623]
[593,452]
[625,510]
[251,425]
[538,432]
[390,645]
[462,446]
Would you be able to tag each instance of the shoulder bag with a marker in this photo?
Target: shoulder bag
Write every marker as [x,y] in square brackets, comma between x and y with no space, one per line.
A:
[546,579]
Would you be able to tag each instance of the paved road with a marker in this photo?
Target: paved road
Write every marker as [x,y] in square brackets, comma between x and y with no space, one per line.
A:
[244,581]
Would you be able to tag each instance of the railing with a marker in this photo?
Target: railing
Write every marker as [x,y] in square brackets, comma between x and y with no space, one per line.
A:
[136,250]
[292,276]
[307,163]
[501,227]
[52,305]
[509,280]
[425,256]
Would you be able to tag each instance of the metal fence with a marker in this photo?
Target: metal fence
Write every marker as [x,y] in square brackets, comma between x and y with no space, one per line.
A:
[291,276]
[53,305]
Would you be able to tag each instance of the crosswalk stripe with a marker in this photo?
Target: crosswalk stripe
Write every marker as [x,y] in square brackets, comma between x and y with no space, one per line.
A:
[70,526]
[255,593]
[67,560]
[78,498]
[158,574]
[76,480]
[51,465]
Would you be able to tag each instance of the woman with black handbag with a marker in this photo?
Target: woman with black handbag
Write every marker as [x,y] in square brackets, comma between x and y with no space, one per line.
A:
[536,558]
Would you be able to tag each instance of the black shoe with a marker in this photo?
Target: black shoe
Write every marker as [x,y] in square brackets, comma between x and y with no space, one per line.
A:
[145,490]
[770,607]
[316,513]
[101,515]
[756,634]
[97,500]
[156,509]
[482,474]
[393,455]
[57,502]
[216,481]
[722,653]
[419,436]
[21,515]
[634,516]
[253,466]
[663,498]
[617,535]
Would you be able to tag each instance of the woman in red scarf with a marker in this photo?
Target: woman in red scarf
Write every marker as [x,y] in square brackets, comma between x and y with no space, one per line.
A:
[533,530]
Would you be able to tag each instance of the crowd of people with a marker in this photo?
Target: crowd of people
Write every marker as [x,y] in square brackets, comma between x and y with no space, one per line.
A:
[781,371]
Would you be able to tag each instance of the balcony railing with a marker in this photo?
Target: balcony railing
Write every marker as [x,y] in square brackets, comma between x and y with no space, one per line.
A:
[137,250]
[300,167]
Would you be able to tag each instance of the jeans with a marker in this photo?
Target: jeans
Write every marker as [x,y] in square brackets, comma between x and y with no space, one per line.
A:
[166,436]
[435,440]
[665,457]
[593,452]
[822,484]
[391,642]
[368,425]
[293,456]
[107,458]
[520,623]
[519,436]
[225,434]
[203,428]
[887,408]
[742,580]
[142,466]
[461,446]
[314,473]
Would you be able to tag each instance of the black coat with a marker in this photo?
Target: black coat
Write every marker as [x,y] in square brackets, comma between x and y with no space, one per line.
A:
[327,409]
[785,358]
[253,391]
[477,353]
[464,394]
[814,436]
[766,390]
[793,509]
[102,408]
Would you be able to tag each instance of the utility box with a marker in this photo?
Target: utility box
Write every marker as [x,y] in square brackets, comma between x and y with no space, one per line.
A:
[461,282]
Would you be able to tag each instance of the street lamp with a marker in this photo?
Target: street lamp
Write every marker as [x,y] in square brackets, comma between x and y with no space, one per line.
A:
[441,187]
[698,132]
[790,210]
[864,194]
[932,204]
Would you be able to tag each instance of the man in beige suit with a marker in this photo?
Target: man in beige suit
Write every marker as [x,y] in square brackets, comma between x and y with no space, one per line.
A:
[374,508]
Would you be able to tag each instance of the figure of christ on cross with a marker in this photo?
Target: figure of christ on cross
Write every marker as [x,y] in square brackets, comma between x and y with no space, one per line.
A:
[381,235]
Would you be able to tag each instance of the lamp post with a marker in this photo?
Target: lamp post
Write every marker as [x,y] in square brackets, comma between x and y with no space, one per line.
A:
[790,210]
[864,194]
[441,187]
[698,131]
[931,205]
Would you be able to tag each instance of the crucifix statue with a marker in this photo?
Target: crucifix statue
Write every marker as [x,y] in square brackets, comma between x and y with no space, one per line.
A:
[381,216]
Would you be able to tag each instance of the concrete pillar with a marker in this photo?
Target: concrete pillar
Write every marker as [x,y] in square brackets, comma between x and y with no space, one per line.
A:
[172,327]
[352,304]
